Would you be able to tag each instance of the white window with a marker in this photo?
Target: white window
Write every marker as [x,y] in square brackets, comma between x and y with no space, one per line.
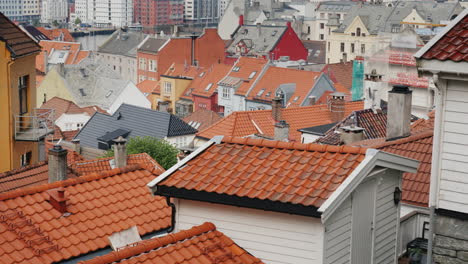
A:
[252,74]
[152,65]
[236,69]
[79,125]
[208,86]
[142,64]
[225,92]
[167,87]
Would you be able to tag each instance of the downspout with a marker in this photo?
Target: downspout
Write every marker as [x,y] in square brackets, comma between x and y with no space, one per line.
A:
[193,51]
[173,214]
[9,107]
[435,167]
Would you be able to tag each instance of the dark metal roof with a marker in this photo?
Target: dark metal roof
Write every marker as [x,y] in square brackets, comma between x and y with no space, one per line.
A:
[138,120]
[152,44]
[35,33]
[109,136]
[317,130]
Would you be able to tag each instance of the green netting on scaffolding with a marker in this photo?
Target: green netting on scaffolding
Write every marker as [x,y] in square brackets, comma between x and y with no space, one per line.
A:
[358,80]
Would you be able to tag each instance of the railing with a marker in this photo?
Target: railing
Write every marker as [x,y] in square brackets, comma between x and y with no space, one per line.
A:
[36,126]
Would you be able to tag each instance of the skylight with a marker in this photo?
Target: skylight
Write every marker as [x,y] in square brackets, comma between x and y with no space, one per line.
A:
[201,74]
[109,93]
[252,74]
[208,86]
[261,92]
[236,69]
[268,94]
[296,98]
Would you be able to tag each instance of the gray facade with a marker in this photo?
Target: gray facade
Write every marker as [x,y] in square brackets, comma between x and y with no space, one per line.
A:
[450,240]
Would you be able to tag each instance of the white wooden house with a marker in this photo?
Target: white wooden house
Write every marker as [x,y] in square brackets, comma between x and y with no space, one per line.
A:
[291,202]
[444,59]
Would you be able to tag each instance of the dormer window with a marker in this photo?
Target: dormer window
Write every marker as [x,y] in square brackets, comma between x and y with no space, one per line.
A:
[280,94]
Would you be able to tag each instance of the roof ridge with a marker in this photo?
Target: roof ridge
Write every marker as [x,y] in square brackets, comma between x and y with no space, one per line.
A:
[418,135]
[23,169]
[293,145]
[69,182]
[153,244]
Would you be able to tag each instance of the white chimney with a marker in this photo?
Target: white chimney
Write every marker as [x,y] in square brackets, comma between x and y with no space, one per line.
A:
[399,112]
[282,131]
[57,164]
[120,152]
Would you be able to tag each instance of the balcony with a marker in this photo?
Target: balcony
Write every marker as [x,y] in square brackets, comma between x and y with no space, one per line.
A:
[36,126]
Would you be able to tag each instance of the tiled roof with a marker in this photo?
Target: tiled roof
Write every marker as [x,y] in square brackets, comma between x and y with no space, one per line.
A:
[17,41]
[258,40]
[98,205]
[340,73]
[374,124]
[182,71]
[201,244]
[412,80]
[317,51]
[453,45]
[246,67]
[266,88]
[415,186]
[61,34]
[202,119]
[74,54]
[295,173]
[213,75]
[63,106]
[245,123]
[103,164]
[147,86]
[423,124]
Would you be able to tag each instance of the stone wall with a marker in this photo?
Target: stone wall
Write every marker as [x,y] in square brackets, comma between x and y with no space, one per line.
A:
[451,240]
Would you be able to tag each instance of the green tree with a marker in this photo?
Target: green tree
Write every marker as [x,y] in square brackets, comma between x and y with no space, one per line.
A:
[55,23]
[160,150]
[77,21]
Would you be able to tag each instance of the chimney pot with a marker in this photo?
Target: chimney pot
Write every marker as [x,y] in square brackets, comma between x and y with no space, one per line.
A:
[58,200]
[76,145]
[241,20]
[337,107]
[57,164]
[120,152]
[399,112]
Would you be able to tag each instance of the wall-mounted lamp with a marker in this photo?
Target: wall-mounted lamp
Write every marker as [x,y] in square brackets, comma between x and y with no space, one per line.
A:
[397,195]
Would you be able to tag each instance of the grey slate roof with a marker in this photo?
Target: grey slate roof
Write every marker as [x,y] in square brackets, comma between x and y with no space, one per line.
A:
[317,130]
[122,42]
[335,6]
[317,51]
[152,44]
[93,84]
[257,43]
[374,17]
[34,32]
[138,120]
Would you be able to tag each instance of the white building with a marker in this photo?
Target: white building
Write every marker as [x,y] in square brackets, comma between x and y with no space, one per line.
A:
[257,192]
[202,10]
[448,199]
[54,10]
[22,11]
[104,13]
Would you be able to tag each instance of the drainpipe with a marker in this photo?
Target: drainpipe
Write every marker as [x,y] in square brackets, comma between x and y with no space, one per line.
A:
[435,167]
[193,50]
[10,152]
[173,214]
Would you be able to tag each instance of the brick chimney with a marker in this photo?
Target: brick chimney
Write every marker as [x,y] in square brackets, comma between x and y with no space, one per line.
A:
[337,106]
[282,131]
[399,112]
[276,108]
[58,200]
[120,152]
[57,164]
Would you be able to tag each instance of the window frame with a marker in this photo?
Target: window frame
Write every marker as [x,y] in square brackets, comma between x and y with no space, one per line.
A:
[23,84]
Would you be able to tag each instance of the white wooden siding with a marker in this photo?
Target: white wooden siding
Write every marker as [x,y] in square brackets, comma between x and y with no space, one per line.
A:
[386,219]
[338,235]
[276,238]
[453,186]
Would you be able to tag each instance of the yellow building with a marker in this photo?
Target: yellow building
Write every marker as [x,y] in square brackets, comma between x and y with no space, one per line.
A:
[172,84]
[21,125]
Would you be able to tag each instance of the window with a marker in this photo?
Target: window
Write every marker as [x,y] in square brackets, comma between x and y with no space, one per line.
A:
[342,47]
[328,46]
[322,15]
[225,92]
[352,47]
[208,86]
[167,87]
[363,48]
[252,74]
[308,30]
[358,32]
[322,37]
[322,25]
[23,94]
[236,69]
[26,159]
[152,65]
[79,125]
[142,64]
[261,92]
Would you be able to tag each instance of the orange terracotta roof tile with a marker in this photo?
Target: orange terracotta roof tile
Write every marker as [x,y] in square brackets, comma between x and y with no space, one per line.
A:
[423,124]
[75,54]
[201,83]
[94,166]
[16,40]
[340,73]
[288,173]
[183,71]
[202,119]
[97,205]
[147,86]
[63,106]
[61,34]
[200,244]
[245,123]
[246,67]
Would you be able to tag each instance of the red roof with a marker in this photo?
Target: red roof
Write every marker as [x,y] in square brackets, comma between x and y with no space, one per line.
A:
[246,66]
[266,87]
[412,80]
[201,84]
[183,71]
[453,45]
[295,173]
[245,123]
[17,42]
[340,73]
[63,106]
[147,86]
[202,119]
[60,34]
[201,244]
[75,54]
[98,205]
